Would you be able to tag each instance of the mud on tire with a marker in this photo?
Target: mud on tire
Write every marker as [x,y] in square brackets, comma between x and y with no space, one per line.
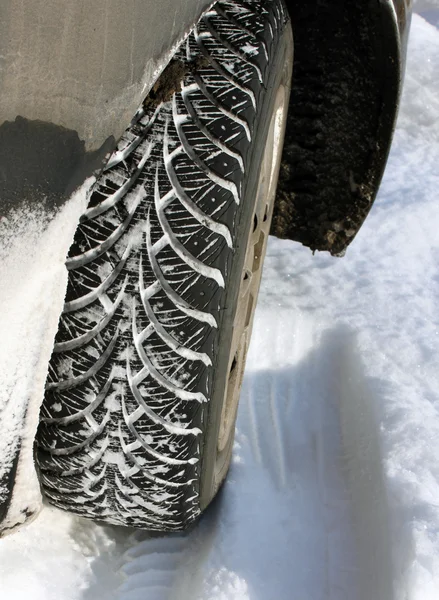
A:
[127,411]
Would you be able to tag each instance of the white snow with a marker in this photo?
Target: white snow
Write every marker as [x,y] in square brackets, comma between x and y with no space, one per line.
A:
[334,488]
[421,5]
[33,280]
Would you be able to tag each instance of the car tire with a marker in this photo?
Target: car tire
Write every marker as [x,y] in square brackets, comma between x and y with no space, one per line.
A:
[137,423]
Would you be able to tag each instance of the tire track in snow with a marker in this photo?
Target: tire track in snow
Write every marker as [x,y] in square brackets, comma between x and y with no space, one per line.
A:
[150,567]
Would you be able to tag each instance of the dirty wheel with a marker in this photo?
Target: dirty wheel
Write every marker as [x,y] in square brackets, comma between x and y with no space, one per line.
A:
[138,418]
[249,282]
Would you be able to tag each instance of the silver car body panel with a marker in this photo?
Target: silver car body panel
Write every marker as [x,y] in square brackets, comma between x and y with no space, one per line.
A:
[86,66]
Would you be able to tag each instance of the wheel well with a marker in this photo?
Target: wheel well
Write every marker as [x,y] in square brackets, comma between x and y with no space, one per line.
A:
[343,106]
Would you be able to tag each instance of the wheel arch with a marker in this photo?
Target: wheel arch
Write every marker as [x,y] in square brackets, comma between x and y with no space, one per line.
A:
[349,61]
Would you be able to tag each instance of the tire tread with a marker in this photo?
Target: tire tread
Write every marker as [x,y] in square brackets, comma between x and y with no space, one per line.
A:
[131,373]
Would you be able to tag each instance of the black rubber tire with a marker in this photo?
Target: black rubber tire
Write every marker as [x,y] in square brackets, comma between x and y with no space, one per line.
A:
[131,404]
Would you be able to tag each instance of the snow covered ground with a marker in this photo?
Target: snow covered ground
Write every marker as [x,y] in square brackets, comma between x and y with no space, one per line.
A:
[334,489]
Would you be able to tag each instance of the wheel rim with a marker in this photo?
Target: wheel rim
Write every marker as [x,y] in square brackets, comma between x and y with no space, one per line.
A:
[252,270]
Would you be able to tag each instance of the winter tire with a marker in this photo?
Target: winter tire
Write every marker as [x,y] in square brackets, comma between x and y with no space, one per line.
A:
[138,419]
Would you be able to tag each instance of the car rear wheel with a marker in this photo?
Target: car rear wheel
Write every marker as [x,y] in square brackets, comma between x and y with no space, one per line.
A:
[138,419]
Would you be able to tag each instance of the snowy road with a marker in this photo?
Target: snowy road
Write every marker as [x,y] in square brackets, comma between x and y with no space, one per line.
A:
[334,488]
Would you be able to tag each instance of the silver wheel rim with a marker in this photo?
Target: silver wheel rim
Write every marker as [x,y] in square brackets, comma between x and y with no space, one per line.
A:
[252,270]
